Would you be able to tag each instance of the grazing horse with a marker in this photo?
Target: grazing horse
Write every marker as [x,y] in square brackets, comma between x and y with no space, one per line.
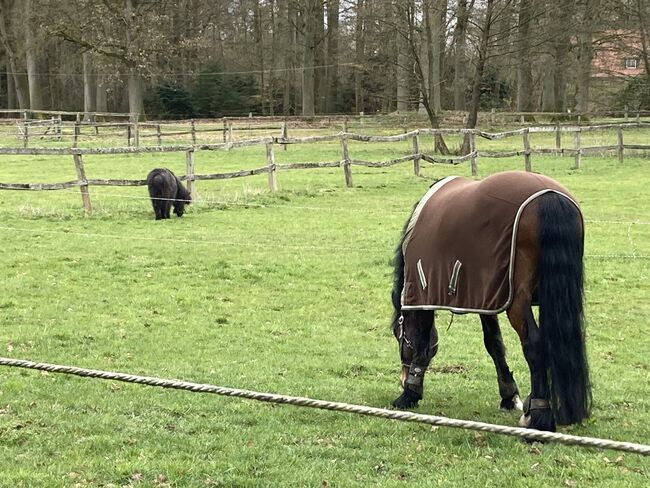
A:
[165,190]
[506,243]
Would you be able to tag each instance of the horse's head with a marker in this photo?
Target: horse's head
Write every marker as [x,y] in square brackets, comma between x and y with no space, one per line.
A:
[410,328]
[183,198]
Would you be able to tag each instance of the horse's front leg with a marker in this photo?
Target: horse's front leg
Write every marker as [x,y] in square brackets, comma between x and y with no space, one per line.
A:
[418,345]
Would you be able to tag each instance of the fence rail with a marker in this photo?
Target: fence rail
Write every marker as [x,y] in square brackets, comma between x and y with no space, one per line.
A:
[133,132]
[346,161]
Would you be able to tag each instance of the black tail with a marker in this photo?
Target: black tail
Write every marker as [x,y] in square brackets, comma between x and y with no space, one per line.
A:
[561,307]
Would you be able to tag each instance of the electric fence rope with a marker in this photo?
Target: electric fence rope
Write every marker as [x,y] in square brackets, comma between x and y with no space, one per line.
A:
[528,434]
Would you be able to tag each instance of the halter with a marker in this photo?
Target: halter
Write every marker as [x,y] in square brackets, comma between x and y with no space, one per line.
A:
[401,337]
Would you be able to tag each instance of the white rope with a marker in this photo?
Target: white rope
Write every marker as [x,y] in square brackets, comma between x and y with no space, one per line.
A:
[529,434]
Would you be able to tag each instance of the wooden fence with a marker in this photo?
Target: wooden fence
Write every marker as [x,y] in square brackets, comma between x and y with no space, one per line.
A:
[134,133]
[346,162]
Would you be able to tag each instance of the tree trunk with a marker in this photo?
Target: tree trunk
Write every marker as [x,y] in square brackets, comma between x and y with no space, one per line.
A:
[435,12]
[259,50]
[548,85]
[586,53]
[11,87]
[11,58]
[320,83]
[460,44]
[561,17]
[402,13]
[524,68]
[332,56]
[134,79]
[309,55]
[101,100]
[33,82]
[359,35]
[88,85]
[420,78]
[287,43]
[472,116]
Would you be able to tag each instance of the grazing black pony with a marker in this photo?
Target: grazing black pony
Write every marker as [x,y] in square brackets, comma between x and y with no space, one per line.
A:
[165,190]
[543,249]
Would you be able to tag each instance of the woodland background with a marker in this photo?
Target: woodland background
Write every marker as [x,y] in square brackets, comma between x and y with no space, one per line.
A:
[212,58]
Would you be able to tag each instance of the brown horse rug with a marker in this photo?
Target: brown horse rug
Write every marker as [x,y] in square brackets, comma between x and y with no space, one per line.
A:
[459,244]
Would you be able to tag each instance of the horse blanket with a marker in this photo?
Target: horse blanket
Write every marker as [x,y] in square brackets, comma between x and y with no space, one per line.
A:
[459,245]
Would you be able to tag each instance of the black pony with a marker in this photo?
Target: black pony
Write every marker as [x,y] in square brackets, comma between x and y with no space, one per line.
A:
[165,190]
[545,252]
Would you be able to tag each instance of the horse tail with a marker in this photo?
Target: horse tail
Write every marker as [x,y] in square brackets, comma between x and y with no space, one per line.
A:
[560,292]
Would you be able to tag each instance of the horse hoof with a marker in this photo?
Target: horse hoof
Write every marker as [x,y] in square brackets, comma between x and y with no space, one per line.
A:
[407,400]
[513,403]
[524,421]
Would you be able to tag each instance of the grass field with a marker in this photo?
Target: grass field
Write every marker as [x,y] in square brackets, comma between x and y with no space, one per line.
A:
[286,293]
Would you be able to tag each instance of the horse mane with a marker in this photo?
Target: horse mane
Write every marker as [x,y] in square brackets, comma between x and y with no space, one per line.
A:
[398,274]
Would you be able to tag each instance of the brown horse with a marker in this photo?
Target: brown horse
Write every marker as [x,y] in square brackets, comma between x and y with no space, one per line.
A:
[506,243]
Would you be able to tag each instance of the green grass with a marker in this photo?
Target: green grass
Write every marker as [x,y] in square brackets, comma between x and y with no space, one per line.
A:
[286,293]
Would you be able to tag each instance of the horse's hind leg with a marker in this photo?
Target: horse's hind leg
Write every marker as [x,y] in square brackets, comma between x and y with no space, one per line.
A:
[167,205]
[497,351]
[157,209]
[537,411]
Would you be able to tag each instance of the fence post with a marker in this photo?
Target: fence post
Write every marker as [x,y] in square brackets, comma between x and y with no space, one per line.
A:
[25,134]
[128,134]
[527,159]
[578,150]
[158,135]
[83,182]
[229,132]
[136,133]
[270,161]
[558,136]
[189,172]
[345,123]
[638,117]
[284,134]
[472,151]
[193,131]
[225,128]
[346,162]
[77,131]
[416,153]
[620,144]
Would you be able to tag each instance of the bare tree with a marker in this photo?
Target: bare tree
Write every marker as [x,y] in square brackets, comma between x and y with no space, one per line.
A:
[463,11]
[483,46]
[589,13]
[33,80]
[525,17]
[309,56]
[332,55]
[360,44]
[11,57]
